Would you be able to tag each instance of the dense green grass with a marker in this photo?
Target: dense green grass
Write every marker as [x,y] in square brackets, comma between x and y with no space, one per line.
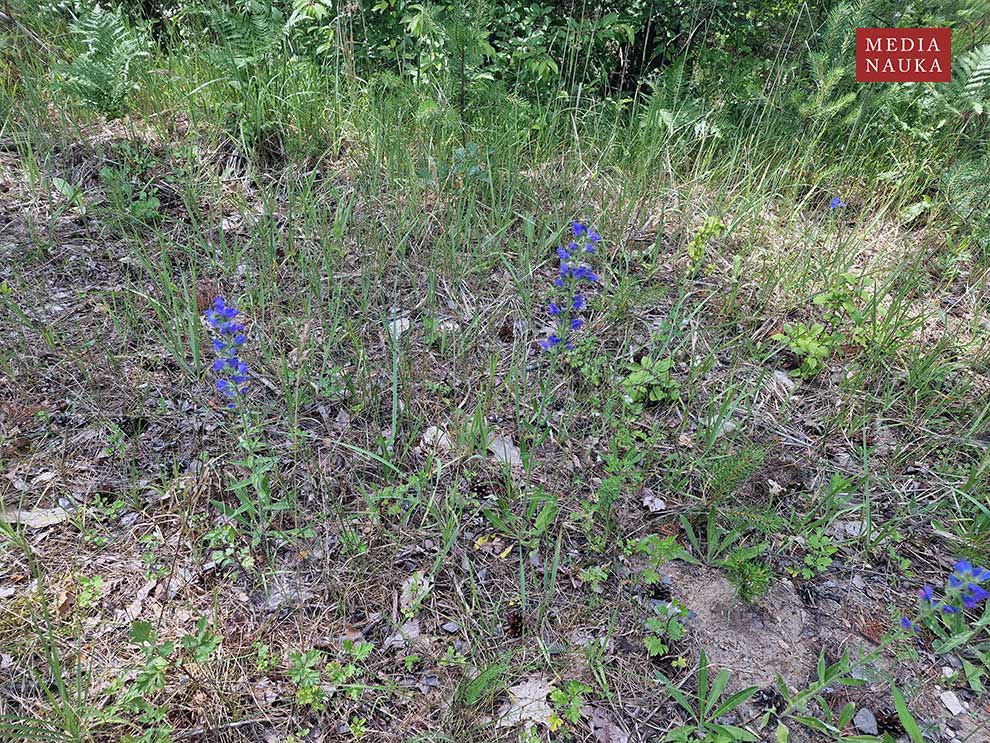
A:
[409,469]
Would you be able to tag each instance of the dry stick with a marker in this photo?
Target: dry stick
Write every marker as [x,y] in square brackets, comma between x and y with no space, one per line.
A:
[201,731]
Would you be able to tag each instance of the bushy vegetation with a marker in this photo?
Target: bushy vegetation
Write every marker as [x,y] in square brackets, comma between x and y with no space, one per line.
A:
[491,371]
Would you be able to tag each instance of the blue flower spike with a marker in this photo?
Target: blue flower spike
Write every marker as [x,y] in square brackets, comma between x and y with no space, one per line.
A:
[836,203]
[573,273]
[232,373]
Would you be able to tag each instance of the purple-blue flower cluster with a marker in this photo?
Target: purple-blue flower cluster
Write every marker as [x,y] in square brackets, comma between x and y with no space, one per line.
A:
[575,272]
[963,590]
[836,203]
[232,373]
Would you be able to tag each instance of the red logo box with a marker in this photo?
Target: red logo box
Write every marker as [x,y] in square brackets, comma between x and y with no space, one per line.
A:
[903,55]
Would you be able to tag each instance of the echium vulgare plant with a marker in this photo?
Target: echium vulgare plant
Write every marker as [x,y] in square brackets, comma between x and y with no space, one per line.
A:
[255,506]
[231,371]
[575,272]
[946,617]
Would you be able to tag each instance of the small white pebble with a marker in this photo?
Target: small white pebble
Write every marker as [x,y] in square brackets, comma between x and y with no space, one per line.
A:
[951,702]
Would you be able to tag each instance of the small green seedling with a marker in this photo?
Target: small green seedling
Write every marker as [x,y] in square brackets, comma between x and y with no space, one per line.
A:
[665,628]
[810,345]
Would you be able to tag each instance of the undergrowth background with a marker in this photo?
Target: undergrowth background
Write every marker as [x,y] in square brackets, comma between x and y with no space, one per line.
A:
[767,429]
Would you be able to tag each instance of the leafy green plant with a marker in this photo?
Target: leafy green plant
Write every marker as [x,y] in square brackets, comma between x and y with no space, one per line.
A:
[658,551]
[304,672]
[138,202]
[265,660]
[708,707]
[843,299]
[818,554]
[711,229]
[539,515]
[665,627]
[485,684]
[594,516]
[811,345]
[648,382]
[202,644]
[750,576]
[136,696]
[594,576]
[72,193]
[594,367]
[723,548]
[89,591]
[567,703]
[797,706]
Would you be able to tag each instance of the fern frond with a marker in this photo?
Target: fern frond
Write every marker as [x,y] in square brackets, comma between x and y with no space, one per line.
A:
[974,67]
[105,74]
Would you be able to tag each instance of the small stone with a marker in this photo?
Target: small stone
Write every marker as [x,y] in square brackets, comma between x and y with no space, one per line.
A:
[428,682]
[450,627]
[866,722]
[951,702]
[947,672]
[437,438]
[785,380]
[652,502]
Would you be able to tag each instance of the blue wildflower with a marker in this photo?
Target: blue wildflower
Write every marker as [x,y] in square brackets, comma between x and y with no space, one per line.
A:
[909,625]
[965,570]
[573,272]
[583,273]
[963,590]
[232,372]
[836,203]
[974,596]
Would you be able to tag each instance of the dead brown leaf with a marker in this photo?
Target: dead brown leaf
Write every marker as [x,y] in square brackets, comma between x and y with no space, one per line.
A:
[38,518]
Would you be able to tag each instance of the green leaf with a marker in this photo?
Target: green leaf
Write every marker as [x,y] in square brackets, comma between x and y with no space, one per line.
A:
[735,733]
[546,517]
[718,686]
[782,733]
[703,681]
[734,701]
[815,724]
[484,682]
[655,646]
[974,676]
[846,715]
[905,716]
[677,694]
[141,632]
